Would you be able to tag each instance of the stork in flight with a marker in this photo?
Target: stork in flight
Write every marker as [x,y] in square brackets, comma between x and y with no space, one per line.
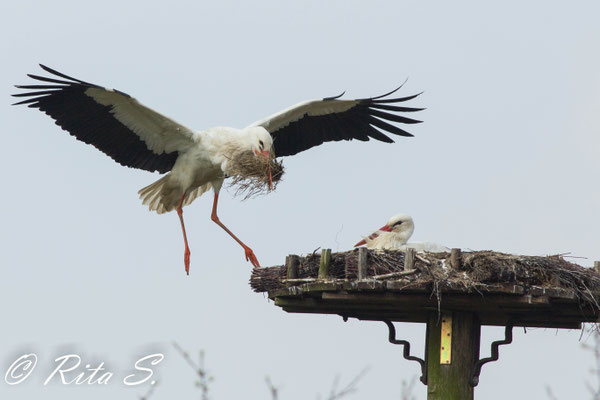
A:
[394,235]
[195,161]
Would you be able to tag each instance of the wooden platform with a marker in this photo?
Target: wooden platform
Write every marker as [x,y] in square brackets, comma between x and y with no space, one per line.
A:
[500,305]
[408,295]
[453,293]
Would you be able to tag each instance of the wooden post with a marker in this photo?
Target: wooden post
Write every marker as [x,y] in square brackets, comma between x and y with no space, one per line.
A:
[455,259]
[452,381]
[409,259]
[324,264]
[597,266]
[291,262]
[362,263]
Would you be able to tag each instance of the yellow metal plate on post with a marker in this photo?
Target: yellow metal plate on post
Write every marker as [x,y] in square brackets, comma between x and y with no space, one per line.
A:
[446,339]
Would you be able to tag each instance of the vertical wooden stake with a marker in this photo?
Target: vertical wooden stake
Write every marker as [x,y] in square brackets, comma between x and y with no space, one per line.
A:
[409,259]
[362,263]
[324,265]
[456,259]
[597,266]
[291,262]
[452,381]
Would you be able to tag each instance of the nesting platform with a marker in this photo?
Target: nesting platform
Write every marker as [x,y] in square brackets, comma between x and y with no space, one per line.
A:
[453,293]
[499,289]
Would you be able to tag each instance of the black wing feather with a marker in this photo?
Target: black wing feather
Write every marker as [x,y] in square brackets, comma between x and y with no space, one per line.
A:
[395,108]
[49,80]
[364,121]
[393,117]
[91,122]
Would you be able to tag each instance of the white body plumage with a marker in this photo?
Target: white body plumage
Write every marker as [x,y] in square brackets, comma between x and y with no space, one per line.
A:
[202,165]
[395,235]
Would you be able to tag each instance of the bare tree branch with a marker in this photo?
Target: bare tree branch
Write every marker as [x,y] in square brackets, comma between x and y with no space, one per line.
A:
[150,392]
[408,388]
[550,394]
[204,378]
[273,390]
[594,389]
[350,388]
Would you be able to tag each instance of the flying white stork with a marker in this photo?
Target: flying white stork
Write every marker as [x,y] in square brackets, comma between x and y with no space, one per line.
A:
[194,161]
[394,235]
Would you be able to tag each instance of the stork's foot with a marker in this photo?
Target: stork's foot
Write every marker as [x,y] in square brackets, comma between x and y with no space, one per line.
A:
[186,260]
[251,257]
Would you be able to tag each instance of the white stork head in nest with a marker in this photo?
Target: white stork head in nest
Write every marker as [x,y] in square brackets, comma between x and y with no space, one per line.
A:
[392,235]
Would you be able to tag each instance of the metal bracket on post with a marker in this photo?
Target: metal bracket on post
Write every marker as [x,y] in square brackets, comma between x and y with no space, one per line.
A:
[494,357]
[406,350]
[446,339]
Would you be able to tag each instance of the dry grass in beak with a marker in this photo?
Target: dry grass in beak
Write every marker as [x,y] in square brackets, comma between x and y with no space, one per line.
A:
[250,174]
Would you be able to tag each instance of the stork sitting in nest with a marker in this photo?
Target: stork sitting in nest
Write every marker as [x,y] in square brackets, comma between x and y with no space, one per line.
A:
[395,234]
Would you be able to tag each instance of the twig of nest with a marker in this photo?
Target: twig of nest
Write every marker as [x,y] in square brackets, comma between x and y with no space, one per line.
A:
[249,174]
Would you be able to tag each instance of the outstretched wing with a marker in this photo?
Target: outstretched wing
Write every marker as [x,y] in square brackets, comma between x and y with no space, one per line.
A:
[311,123]
[112,121]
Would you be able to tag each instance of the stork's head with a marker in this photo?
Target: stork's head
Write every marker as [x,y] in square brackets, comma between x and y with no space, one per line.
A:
[261,144]
[260,141]
[400,224]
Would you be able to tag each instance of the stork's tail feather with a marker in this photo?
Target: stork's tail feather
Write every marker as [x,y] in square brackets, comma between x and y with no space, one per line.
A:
[152,196]
[164,195]
[191,196]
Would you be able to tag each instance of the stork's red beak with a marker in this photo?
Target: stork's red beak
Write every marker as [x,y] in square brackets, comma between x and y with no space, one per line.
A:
[385,228]
[372,236]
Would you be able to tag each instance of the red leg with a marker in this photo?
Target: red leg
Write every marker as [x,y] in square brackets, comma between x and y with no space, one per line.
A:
[249,253]
[186,254]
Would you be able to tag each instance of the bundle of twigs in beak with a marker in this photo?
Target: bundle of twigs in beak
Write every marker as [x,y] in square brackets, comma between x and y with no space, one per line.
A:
[250,174]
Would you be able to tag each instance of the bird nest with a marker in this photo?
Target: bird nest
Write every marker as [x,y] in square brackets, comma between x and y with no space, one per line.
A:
[479,271]
[250,174]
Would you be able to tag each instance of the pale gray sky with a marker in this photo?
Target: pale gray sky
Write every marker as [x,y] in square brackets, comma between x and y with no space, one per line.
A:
[507,159]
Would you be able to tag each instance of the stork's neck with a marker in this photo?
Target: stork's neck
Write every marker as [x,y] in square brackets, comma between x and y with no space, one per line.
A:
[405,233]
